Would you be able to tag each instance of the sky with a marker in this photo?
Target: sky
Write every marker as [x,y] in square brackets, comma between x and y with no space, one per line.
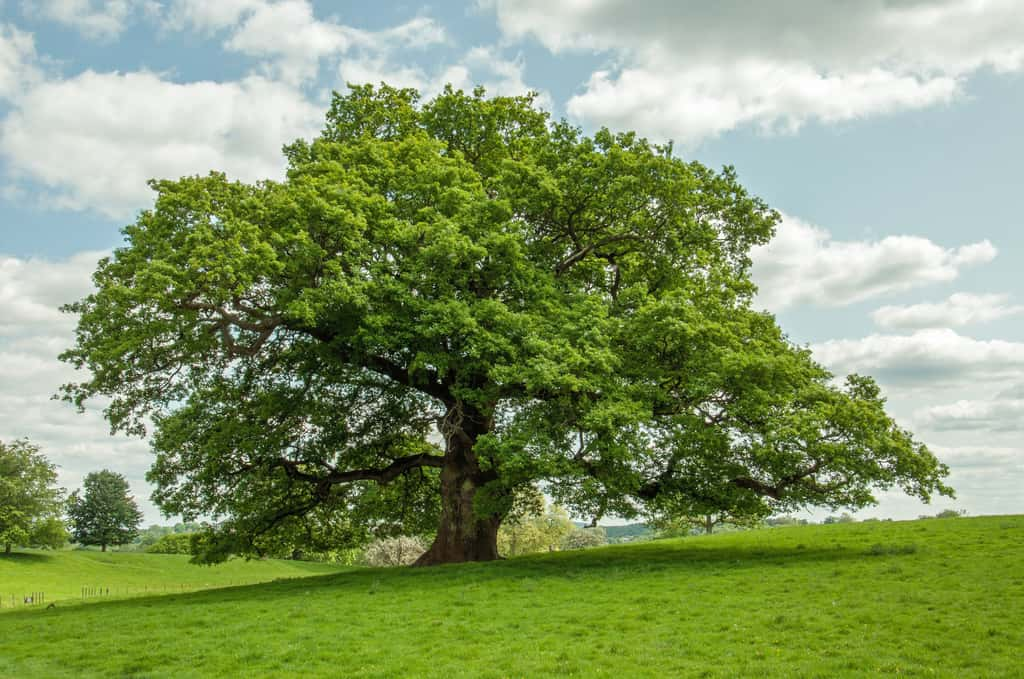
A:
[886,132]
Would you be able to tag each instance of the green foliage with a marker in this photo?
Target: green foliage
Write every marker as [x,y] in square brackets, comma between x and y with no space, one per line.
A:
[151,534]
[842,518]
[946,514]
[30,503]
[560,307]
[674,526]
[173,543]
[105,514]
[533,526]
[748,604]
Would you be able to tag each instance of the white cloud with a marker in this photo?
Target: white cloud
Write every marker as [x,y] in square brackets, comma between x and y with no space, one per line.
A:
[804,265]
[694,103]
[991,415]
[91,141]
[960,309]
[32,334]
[32,290]
[208,17]
[975,457]
[97,19]
[690,70]
[291,40]
[17,61]
[95,139]
[932,357]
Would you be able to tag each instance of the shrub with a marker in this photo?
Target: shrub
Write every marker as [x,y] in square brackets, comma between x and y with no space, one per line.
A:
[581,538]
[175,543]
[399,551]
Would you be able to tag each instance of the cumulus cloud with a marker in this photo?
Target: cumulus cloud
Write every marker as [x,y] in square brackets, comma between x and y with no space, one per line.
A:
[964,457]
[689,70]
[294,41]
[96,19]
[17,61]
[995,415]
[933,357]
[959,309]
[208,17]
[291,40]
[804,265]
[93,140]
[32,290]
[32,334]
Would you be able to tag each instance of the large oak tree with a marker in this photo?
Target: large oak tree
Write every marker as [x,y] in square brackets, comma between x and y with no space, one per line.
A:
[446,302]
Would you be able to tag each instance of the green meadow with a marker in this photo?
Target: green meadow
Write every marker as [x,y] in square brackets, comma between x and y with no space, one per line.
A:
[62,576]
[930,598]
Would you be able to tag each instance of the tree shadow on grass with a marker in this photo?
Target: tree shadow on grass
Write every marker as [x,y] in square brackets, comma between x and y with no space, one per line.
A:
[683,559]
[25,558]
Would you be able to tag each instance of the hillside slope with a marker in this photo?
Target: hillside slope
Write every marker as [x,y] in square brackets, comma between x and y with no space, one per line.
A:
[925,598]
[63,575]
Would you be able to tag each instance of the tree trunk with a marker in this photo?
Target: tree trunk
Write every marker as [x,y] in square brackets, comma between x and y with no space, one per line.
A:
[7,548]
[103,548]
[709,525]
[463,535]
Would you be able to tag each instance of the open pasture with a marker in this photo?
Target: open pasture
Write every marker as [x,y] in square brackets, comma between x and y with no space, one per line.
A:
[934,598]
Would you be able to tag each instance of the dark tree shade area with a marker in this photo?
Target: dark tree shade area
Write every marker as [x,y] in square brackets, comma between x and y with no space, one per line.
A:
[446,302]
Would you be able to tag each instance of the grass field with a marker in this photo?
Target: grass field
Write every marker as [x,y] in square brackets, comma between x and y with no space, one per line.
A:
[61,576]
[929,598]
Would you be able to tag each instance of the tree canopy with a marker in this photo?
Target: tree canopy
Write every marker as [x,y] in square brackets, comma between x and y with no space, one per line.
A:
[30,502]
[445,302]
[104,513]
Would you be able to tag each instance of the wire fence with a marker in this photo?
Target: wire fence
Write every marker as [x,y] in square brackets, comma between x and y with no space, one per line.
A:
[98,592]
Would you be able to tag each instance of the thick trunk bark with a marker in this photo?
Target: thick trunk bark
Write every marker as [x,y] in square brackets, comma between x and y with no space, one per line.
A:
[103,548]
[7,548]
[463,535]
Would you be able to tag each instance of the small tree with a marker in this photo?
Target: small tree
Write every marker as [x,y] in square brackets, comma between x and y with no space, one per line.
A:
[29,501]
[106,514]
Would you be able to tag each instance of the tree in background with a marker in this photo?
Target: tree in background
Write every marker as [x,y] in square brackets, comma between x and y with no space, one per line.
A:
[30,503]
[172,543]
[587,536]
[533,526]
[557,307]
[679,525]
[105,514]
[400,550]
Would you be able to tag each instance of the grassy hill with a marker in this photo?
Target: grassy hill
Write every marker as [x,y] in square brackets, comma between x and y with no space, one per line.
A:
[924,598]
[61,576]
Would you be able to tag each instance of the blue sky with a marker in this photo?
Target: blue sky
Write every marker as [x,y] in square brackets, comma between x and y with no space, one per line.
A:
[886,132]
